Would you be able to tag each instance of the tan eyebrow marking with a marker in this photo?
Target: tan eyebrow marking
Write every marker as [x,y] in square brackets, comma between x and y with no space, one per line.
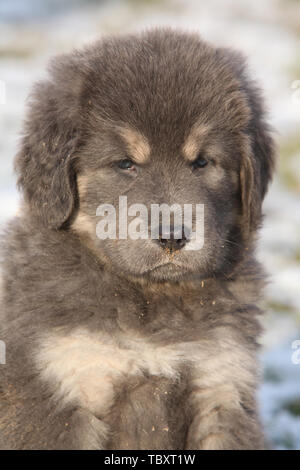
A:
[195,140]
[83,223]
[82,183]
[137,144]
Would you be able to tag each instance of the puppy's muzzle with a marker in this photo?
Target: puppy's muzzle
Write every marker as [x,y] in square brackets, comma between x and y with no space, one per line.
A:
[173,239]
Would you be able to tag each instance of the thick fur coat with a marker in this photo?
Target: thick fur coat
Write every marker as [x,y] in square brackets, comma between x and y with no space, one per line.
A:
[128,344]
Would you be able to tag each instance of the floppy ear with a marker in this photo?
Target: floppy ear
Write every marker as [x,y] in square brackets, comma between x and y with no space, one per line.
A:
[258,150]
[45,162]
[256,170]
[250,197]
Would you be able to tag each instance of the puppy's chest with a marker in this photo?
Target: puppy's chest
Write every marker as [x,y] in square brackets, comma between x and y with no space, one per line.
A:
[148,316]
[88,369]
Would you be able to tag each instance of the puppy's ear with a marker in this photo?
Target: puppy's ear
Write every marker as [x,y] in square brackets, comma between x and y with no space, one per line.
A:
[256,172]
[250,196]
[258,149]
[45,162]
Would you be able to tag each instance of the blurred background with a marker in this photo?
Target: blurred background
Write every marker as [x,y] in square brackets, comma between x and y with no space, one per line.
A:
[268,32]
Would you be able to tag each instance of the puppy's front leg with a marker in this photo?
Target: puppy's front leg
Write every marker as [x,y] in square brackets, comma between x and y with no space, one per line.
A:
[141,417]
[222,399]
[29,422]
[82,430]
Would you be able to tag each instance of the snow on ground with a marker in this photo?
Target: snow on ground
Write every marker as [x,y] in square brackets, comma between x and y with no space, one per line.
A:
[268,33]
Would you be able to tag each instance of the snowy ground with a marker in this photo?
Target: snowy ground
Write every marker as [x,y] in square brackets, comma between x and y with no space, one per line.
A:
[268,33]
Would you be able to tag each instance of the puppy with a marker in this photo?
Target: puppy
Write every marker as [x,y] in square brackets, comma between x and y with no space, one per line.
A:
[135,342]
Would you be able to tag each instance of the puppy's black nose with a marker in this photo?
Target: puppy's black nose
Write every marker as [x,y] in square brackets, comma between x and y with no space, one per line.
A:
[172,240]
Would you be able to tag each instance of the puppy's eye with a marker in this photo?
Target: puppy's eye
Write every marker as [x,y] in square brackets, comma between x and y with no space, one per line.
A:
[200,162]
[126,164]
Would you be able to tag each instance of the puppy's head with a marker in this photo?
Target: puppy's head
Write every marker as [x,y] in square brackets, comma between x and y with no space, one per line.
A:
[159,118]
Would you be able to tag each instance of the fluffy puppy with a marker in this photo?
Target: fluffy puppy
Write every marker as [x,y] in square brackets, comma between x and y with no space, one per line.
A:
[136,343]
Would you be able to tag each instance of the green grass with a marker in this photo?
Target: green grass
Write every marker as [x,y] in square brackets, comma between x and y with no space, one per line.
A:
[279,307]
[15,52]
[272,376]
[293,407]
[289,150]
